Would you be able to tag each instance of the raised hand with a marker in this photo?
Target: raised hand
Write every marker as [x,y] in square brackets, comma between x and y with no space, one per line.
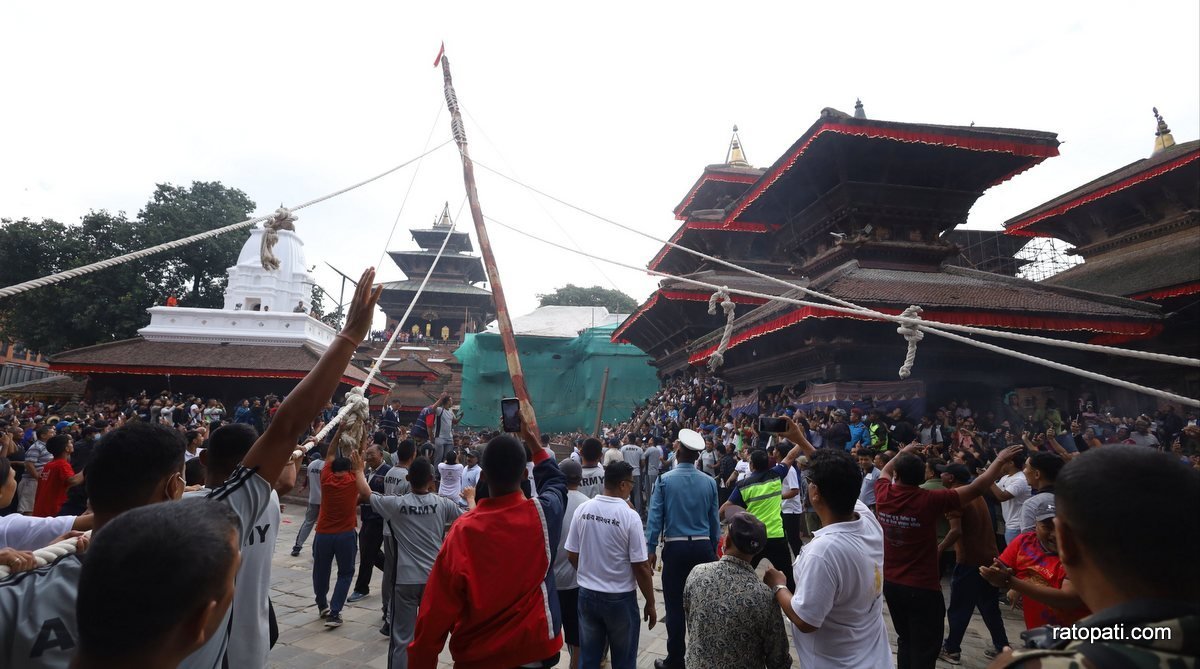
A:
[362,306]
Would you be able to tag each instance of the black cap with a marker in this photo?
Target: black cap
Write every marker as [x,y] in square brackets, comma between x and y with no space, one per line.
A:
[748,533]
[959,472]
[571,470]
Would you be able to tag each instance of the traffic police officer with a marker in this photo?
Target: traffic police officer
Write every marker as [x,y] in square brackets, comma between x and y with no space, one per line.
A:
[683,509]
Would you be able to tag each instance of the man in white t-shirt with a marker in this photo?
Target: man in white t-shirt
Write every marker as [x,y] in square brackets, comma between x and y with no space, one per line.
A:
[1012,490]
[607,547]
[792,510]
[470,477]
[742,469]
[837,609]
[634,457]
[870,474]
[565,581]
[612,453]
[654,463]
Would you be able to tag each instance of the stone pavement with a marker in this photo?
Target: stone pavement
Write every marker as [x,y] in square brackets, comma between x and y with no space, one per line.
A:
[305,643]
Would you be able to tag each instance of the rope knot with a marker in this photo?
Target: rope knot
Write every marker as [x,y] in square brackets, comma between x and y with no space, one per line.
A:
[913,335]
[283,219]
[718,357]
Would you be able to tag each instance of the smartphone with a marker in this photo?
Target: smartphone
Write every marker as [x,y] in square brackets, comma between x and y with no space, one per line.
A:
[510,414]
[769,424]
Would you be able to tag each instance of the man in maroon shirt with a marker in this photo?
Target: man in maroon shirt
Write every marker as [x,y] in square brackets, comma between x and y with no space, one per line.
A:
[909,515]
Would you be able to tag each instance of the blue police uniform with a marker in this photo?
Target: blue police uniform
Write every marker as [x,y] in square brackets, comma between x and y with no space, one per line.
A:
[683,509]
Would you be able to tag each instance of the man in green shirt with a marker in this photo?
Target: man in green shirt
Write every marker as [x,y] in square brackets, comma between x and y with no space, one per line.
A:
[761,493]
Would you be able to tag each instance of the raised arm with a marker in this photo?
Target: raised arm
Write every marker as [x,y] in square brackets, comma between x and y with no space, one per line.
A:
[984,481]
[886,474]
[273,449]
[796,435]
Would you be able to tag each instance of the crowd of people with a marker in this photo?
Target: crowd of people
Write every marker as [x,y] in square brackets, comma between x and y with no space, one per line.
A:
[520,546]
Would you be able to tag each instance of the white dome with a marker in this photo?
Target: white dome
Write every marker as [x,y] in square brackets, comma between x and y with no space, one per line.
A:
[281,290]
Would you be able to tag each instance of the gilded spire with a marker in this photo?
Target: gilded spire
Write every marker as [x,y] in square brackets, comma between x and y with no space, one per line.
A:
[443,221]
[736,157]
[1162,136]
[858,109]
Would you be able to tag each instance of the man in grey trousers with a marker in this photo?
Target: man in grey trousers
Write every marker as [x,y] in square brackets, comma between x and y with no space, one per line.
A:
[418,521]
[314,503]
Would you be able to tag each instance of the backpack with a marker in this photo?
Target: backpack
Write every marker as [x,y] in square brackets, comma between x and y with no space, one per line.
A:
[420,427]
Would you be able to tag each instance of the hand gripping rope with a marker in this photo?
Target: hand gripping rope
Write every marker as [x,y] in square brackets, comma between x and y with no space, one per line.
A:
[356,401]
[44,556]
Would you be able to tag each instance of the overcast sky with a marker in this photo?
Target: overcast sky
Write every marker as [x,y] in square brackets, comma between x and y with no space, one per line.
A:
[614,106]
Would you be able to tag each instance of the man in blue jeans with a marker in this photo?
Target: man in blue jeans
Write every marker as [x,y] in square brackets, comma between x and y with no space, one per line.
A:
[605,546]
[683,510]
[342,482]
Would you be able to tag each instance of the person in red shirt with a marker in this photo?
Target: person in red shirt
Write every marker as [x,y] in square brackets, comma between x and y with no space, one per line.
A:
[500,613]
[909,515]
[56,477]
[342,481]
[1030,567]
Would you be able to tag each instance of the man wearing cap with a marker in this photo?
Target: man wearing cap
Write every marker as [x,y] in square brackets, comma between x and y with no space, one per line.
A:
[566,581]
[683,510]
[761,494]
[471,473]
[729,590]
[36,457]
[1030,567]
[974,541]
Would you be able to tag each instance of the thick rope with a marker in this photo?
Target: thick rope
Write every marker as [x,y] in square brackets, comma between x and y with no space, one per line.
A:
[718,357]
[44,556]
[913,336]
[1129,385]
[18,288]
[347,408]
[283,219]
[923,325]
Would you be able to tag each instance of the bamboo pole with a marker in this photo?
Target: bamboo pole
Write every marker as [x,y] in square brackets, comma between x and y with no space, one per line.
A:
[528,417]
[600,409]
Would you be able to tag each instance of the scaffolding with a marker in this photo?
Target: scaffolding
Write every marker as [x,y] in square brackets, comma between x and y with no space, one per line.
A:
[1045,257]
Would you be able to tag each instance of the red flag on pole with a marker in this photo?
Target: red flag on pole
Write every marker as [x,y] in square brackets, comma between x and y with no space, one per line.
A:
[438,61]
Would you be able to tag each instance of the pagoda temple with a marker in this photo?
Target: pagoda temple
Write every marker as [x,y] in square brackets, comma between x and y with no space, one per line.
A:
[1138,231]
[451,305]
[857,208]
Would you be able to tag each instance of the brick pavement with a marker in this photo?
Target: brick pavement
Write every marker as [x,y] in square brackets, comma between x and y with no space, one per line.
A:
[305,643]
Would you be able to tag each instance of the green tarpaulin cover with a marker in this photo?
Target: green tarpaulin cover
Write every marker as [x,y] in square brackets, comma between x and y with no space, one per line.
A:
[563,374]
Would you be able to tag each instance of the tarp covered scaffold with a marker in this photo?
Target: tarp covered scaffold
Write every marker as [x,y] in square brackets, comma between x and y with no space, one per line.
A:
[564,375]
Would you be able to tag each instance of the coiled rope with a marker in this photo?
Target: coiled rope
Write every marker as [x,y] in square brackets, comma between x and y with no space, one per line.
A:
[913,336]
[18,288]
[352,403]
[922,325]
[718,357]
[1129,385]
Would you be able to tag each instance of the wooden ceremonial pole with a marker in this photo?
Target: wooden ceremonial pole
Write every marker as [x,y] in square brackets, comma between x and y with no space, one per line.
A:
[600,409]
[485,248]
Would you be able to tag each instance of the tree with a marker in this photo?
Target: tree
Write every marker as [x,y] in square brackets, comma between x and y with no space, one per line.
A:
[198,269]
[334,318]
[571,295]
[111,304]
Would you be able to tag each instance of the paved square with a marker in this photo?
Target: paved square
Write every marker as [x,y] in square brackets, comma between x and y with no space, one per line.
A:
[305,643]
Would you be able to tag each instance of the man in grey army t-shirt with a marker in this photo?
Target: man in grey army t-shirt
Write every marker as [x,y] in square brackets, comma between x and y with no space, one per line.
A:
[418,522]
[395,482]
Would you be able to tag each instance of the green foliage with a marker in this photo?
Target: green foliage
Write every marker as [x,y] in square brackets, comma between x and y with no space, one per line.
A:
[111,304]
[334,318]
[571,295]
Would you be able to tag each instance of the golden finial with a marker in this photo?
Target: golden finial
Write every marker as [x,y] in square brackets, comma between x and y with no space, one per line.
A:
[735,157]
[1162,136]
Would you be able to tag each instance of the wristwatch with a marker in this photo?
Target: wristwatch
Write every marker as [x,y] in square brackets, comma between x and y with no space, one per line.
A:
[776,589]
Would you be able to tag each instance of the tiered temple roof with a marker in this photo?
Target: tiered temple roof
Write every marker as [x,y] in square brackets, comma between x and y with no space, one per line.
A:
[858,208]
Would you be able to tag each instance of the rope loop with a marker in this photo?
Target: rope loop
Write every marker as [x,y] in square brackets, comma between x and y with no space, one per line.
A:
[718,357]
[913,335]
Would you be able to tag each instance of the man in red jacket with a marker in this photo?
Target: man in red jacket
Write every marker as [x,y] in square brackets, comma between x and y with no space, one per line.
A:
[491,587]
